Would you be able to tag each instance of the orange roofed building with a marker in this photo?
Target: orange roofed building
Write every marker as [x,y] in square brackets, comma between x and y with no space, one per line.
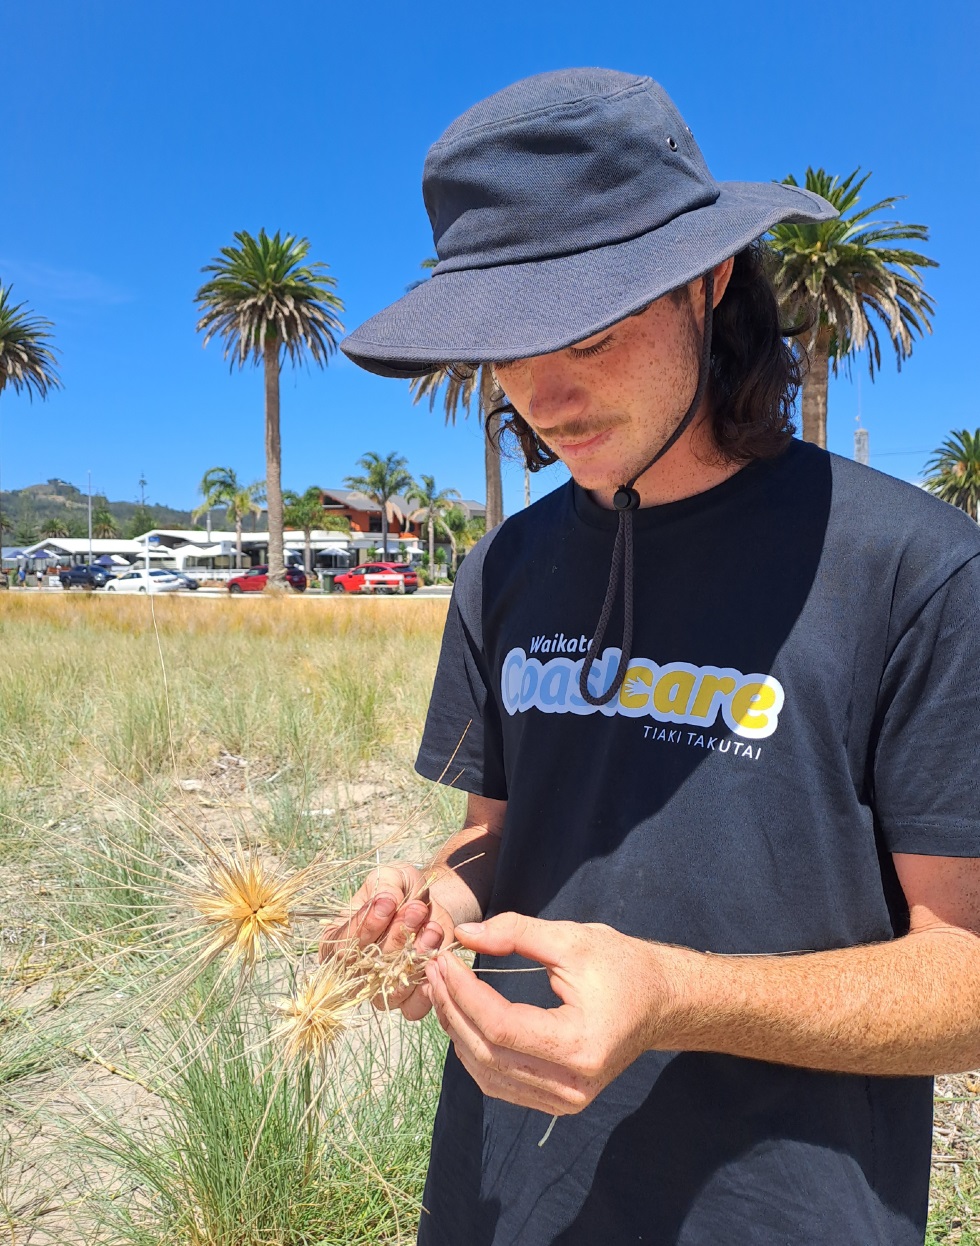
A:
[365,515]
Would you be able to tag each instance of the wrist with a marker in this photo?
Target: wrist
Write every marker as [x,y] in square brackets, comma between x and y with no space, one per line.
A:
[448,892]
[679,994]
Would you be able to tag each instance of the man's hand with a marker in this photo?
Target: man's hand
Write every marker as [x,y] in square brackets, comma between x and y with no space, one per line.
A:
[556,1060]
[392,906]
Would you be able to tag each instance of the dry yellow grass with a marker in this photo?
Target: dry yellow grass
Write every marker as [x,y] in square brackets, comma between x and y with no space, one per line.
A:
[290,615]
[318,685]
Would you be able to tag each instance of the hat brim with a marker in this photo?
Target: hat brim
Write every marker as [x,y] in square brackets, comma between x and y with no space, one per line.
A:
[492,315]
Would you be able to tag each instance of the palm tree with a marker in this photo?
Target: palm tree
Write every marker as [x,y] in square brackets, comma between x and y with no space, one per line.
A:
[221,487]
[433,504]
[855,280]
[26,360]
[463,533]
[458,391]
[55,528]
[104,525]
[305,511]
[383,479]
[265,302]
[954,472]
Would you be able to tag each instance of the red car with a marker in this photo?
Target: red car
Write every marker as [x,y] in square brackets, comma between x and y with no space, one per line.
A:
[378,577]
[255,580]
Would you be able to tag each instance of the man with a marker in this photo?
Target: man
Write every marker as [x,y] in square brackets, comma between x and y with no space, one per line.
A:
[715,704]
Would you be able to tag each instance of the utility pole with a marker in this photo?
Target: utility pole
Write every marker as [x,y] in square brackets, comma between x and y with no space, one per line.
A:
[861,452]
[90,517]
[527,487]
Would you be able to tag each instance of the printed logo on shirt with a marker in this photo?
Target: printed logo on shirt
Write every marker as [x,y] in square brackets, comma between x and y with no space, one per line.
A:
[674,692]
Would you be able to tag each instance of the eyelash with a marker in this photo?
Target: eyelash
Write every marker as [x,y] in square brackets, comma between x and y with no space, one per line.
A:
[588,351]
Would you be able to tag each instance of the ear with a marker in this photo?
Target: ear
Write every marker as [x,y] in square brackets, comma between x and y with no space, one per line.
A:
[723,273]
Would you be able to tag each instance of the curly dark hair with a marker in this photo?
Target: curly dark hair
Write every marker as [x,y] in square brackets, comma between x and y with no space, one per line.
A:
[756,372]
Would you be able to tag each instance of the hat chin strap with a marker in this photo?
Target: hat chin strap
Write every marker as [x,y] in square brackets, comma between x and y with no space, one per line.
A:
[626,500]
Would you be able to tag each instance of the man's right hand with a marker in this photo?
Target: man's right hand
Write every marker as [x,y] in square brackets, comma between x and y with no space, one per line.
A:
[392,906]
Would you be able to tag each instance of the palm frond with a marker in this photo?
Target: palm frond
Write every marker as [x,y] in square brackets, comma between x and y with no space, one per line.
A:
[263,289]
[864,288]
[27,360]
[954,471]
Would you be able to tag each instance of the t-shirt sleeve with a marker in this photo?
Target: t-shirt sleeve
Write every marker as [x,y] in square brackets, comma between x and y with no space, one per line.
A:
[461,745]
[926,785]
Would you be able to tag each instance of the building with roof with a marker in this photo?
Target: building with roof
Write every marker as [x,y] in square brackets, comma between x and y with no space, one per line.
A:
[364,515]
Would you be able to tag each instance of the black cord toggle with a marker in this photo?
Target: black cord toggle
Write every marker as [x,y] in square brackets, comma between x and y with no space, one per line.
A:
[626,498]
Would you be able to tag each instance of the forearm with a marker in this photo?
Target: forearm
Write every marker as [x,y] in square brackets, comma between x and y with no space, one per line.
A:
[909,1007]
[462,872]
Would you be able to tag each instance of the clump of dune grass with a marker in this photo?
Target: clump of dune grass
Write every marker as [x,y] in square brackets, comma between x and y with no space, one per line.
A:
[28,1046]
[238,1159]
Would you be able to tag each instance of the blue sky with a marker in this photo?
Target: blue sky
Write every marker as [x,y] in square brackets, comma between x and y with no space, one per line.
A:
[139,137]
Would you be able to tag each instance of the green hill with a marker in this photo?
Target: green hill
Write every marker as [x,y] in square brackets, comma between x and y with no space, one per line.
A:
[26,512]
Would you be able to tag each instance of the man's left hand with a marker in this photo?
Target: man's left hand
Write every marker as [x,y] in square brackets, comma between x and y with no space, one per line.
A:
[614,994]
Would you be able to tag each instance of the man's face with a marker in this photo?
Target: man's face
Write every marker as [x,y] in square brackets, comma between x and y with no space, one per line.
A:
[606,405]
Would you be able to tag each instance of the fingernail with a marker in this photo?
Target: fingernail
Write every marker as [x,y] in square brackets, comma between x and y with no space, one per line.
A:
[471,928]
[385,907]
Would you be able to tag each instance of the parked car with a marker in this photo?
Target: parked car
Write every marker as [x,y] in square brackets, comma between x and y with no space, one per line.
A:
[87,575]
[255,580]
[372,577]
[140,580]
[186,581]
[408,573]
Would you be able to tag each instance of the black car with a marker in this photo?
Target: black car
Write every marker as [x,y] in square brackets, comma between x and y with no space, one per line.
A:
[187,581]
[88,575]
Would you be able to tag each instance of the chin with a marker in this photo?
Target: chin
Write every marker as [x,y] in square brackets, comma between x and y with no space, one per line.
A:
[594,477]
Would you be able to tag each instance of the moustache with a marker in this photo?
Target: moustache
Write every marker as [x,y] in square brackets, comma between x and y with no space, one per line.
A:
[574,430]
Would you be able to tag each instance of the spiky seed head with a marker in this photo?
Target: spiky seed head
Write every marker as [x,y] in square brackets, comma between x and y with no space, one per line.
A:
[244,902]
[319,1011]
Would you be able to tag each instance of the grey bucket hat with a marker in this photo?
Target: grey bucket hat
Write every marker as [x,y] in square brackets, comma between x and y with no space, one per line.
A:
[559,206]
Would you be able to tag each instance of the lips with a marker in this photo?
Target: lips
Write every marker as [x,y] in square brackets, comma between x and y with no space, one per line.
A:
[580,447]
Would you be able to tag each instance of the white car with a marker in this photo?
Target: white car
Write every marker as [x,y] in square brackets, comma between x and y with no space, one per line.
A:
[143,581]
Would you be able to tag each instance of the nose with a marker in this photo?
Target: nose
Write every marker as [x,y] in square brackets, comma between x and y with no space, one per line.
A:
[554,393]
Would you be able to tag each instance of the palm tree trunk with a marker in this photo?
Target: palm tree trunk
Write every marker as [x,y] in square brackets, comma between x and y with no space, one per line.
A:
[432,548]
[814,403]
[384,529]
[238,542]
[495,484]
[273,466]
[308,551]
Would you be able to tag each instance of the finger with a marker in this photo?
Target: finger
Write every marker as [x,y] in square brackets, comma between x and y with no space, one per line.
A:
[431,937]
[497,1087]
[417,1005]
[406,924]
[523,1052]
[496,1082]
[549,943]
[368,925]
[541,1032]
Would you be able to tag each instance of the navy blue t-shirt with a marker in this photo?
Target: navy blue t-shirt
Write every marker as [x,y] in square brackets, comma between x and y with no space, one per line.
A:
[802,701]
